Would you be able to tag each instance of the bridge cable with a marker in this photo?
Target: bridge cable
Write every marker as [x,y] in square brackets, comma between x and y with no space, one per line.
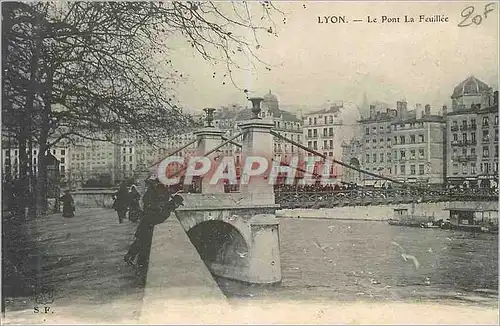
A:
[175,152]
[211,151]
[288,165]
[275,134]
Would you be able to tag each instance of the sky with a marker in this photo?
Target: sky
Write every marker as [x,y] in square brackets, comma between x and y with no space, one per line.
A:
[314,64]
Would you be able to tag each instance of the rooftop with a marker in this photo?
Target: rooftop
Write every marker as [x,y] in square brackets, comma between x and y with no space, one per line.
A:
[470,86]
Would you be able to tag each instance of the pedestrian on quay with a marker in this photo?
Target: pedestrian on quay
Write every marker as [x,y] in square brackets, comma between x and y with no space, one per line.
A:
[157,209]
[135,206]
[121,202]
[68,204]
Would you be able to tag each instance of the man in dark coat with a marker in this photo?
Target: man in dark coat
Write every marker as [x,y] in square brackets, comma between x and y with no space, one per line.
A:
[121,202]
[68,204]
[157,208]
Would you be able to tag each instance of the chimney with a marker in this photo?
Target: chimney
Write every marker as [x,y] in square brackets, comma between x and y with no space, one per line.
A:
[427,109]
[445,110]
[372,111]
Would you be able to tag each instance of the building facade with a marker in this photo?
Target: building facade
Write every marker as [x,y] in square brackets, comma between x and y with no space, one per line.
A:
[472,129]
[406,145]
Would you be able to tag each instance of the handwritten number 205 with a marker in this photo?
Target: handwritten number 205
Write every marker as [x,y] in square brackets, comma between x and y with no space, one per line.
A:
[477,19]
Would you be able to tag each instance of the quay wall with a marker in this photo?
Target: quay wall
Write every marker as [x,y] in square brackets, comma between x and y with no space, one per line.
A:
[383,212]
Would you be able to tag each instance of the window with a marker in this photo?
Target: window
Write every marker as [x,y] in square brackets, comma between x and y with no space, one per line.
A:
[381,141]
[331,144]
[315,145]
[62,160]
[421,153]
[455,125]
[473,167]
[367,131]
[130,150]
[331,119]
[421,169]
[309,144]
[464,123]
[124,150]
[486,168]
[455,137]
[314,120]
[486,122]
[486,152]
[367,158]
[390,170]
[310,121]
[395,140]
[403,155]
[486,135]
[389,157]
[402,140]
[309,132]
[315,132]
[381,157]
[326,119]
[330,154]
[374,157]
[496,151]
[412,169]
[131,168]
[412,139]
[412,154]
[330,132]
[374,141]
[496,120]
[63,152]
[472,151]
[473,136]
[374,130]
[402,167]
[325,131]
[388,142]
[421,138]
[325,144]
[496,134]
[455,169]
[464,137]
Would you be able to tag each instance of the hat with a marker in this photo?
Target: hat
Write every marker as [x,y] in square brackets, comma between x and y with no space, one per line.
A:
[177,199]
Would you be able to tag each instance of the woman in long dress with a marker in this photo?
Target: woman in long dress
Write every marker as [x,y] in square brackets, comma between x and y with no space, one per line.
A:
[68,204]
[135,207]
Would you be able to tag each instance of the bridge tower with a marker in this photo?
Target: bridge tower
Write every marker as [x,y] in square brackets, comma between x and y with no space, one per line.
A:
[237,233]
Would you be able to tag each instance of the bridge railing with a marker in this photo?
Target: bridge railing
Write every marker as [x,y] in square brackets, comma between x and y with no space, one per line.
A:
[362,197]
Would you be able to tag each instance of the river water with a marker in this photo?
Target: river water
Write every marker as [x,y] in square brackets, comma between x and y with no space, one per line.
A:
[362,260]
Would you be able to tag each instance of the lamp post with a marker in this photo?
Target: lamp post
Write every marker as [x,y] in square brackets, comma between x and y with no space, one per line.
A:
[256,106]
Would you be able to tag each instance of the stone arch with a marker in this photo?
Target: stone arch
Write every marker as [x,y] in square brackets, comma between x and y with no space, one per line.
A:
[219,242]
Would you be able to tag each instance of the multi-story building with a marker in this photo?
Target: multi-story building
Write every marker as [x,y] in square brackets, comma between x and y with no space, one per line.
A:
[418,146]
[472,135]
[10,160]
[320,130]
[403,144]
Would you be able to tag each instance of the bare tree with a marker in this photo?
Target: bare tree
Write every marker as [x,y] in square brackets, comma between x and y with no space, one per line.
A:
[96,69]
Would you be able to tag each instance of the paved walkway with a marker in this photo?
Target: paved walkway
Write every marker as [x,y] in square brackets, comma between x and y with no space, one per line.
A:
[80,261]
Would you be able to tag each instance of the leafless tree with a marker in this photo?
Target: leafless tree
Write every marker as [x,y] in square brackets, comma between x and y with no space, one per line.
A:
[97,69]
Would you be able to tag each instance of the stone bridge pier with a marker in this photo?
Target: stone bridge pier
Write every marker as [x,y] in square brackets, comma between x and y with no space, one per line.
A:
[236,234]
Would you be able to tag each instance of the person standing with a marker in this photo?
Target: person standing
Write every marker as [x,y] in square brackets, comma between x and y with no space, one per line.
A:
[156,211]
[135,207]
[121,202]
[68,204]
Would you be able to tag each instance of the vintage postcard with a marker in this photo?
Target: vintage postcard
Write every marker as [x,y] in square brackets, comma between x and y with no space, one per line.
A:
[250,162]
